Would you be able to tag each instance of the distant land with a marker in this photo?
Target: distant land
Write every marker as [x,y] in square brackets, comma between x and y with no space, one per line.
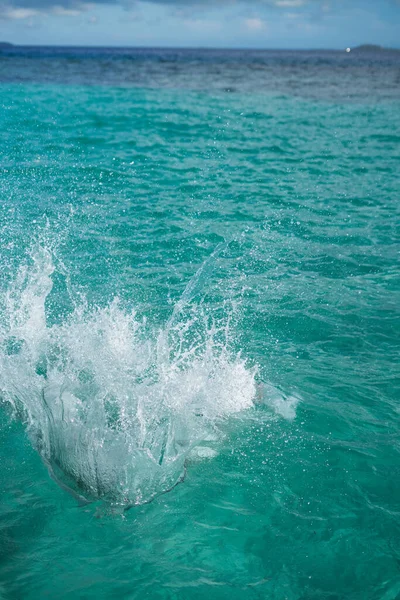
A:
[5,45]
[372,48]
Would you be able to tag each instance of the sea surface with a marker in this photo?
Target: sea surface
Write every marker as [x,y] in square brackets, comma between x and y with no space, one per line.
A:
[199,324]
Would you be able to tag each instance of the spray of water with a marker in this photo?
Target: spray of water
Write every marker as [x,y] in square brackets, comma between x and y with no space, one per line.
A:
[113,408]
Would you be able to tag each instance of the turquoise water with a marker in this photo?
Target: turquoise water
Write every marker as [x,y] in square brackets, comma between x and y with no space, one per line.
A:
[199,320]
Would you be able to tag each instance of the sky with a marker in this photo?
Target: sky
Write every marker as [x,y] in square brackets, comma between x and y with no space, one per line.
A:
[297,24]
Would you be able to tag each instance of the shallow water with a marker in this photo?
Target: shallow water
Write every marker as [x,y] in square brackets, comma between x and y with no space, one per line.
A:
[199,316]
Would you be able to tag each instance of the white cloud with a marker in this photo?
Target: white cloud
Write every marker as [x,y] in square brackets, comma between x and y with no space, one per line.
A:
[202,25]
[290,3]
[254,24]
[60,11]
[8,11]
[18,13]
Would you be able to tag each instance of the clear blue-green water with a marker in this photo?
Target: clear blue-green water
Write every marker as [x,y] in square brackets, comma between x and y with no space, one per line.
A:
[199,325]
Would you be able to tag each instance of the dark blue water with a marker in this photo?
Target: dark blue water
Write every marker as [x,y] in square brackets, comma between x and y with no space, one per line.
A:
[320,74]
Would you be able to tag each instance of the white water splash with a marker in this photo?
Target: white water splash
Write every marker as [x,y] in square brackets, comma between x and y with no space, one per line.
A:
[282,405]
[113,409]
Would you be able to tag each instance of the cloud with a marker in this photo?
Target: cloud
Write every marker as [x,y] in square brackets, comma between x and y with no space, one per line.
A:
[17,13]
[24,9]
[290,3]
[202,25]
[27,9]
[61,11]
[254,24]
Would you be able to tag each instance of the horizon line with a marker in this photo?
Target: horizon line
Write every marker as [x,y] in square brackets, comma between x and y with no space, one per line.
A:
[168,47]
